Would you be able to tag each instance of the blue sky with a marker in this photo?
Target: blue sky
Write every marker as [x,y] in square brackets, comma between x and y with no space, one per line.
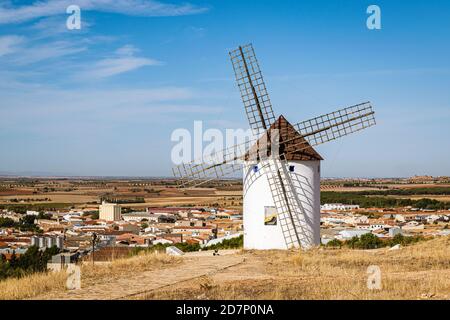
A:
[105,99]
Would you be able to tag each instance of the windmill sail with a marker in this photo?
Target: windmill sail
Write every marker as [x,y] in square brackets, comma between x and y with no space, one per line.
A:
[252,88]
[336,124]
[313,132]
[296,212]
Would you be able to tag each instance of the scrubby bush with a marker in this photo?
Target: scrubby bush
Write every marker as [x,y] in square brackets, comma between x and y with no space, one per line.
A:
[335,243]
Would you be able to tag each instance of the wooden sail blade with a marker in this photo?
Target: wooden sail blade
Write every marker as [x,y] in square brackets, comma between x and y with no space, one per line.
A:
[336,124]
[252,88]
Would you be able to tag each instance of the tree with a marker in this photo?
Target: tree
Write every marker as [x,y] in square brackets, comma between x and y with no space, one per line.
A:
[95,215]
[13,260]
[369,241]
[335,243]
[353,242]
[28,219]
[7,223]
[397,239]
[43,215]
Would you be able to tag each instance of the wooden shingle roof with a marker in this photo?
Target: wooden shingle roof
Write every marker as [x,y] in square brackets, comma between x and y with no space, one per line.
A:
[292,144]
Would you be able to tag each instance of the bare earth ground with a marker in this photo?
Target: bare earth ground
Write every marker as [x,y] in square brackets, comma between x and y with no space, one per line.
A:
[193,266]
[421,271]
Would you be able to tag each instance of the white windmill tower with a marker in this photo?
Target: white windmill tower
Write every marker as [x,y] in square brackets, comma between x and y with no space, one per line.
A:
[281,168]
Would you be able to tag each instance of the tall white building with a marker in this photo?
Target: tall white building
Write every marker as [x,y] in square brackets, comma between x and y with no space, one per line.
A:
[110,212]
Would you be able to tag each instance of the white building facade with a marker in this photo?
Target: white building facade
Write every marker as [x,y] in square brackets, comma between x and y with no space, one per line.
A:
[301,175]
[262,228]
[339,207]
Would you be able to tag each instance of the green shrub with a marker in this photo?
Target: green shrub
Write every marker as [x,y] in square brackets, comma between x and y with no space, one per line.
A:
[335,243]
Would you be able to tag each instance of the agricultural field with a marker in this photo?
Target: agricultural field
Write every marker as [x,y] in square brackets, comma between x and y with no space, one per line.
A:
[133,194]
[138,194]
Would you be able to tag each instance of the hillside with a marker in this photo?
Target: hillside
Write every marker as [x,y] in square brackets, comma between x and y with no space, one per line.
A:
[420,271]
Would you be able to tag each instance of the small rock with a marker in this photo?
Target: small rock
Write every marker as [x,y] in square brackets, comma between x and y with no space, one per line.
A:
[396,247]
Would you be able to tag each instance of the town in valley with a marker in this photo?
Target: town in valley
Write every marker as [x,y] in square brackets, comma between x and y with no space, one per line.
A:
[99,219]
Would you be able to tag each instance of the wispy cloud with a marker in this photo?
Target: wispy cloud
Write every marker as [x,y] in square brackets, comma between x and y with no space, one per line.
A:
[146,8]
[74,107]
[10,44]
[124,60]
[42,52]
[54,26]
[19,50]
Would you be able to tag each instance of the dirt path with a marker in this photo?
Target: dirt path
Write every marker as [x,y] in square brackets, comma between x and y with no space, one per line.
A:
[129,287]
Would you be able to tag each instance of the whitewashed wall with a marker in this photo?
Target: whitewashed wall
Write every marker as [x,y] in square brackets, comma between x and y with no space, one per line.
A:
[257,196]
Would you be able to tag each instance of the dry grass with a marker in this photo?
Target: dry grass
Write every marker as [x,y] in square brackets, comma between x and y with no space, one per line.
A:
[45,283]
[127,266]
[421,271]
[31,286]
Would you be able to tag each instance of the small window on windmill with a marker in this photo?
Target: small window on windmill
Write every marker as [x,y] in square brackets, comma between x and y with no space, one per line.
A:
[270,216]
[291,168]
[255,169]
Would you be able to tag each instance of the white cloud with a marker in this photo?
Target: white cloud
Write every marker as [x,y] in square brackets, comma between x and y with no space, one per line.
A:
[53,26]
[112,67]
[73,107]
[10,44]
[123,61]
[19,50]
[48,51]
[127,50]
[145,8]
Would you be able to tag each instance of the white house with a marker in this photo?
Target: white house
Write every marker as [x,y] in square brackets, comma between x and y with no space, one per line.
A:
[137,216]
[432,218]
[413,225]
[348,234]
[338,206]
[376,227]
[162,241]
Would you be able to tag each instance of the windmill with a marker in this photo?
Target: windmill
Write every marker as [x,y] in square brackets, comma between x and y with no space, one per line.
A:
[281,170]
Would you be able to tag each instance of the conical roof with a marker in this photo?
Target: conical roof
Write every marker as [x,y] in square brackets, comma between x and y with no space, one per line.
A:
[292,144]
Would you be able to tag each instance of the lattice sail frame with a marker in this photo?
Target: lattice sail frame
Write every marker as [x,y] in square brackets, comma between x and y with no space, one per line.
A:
[316,131]
[336,124]
[252,88]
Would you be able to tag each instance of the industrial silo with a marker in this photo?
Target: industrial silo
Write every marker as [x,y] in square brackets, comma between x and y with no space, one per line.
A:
[35,241]
[60,242]
[50,242]
[41,242]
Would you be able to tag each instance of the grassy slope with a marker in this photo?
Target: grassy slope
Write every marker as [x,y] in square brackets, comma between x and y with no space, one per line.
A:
[416,272]
[42,283]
